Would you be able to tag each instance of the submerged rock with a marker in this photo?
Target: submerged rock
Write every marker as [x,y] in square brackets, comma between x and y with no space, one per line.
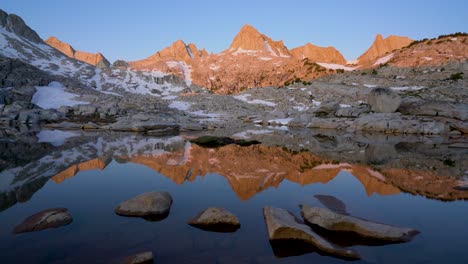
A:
[332,203]
[146,204]
[50,218]
[140,258]
[216,219]
[283,225]
[214,142]
[337,222]
[383,100]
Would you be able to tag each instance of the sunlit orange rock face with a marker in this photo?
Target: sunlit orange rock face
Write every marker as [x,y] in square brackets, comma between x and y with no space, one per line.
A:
[250,170]
[249,39]
[318,54]
[252,60]
[94,59]
[381,47]
[434,52]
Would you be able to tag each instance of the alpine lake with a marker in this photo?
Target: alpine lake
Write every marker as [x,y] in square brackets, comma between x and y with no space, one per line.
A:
[419,182]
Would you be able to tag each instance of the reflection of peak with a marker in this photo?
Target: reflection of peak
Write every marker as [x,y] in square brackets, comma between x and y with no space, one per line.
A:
[94,164]
[250,170]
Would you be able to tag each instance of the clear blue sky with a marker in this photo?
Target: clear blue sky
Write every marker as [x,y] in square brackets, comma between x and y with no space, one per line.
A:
[131,30]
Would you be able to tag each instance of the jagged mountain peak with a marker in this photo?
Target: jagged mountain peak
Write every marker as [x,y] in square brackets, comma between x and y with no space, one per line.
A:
[381,46]
[250,39]
[96,59]
[16,24]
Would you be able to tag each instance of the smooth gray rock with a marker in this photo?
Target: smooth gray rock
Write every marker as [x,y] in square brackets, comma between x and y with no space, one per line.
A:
[327,108]
[395,123]
[353,111]
[283,225]
[138,125]
[343,223]
[383,100]
[215,217]
[329,123]
[435,108]
[22,76]
[140,258]
[50,218]
[146,204]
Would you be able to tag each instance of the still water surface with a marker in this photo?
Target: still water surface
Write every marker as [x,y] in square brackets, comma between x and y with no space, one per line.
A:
[97,173]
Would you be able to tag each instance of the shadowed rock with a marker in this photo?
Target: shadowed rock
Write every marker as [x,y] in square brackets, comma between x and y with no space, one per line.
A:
[214,142]
[332,203]
[338,222]
[50,218]
[283,225]
[216,219]
[383,100]
[146,204]
[140,258]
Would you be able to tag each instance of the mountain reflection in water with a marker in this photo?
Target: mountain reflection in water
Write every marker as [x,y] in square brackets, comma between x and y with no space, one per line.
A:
[382,168]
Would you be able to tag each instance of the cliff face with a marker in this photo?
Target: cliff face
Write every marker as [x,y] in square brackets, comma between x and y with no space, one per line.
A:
[382,46]
[318,54]
[96,59]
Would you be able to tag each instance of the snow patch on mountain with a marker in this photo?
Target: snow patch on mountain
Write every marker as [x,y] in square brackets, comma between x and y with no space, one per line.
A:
[54,96]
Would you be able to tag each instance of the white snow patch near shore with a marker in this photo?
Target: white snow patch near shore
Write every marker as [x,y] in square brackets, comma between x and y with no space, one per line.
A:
[407,88]
[316,103]
[55,137]
[246,134]
[111,93]
[280,121]
[384,60]
[54,96]
[335,66]
[244,98]
[182,106]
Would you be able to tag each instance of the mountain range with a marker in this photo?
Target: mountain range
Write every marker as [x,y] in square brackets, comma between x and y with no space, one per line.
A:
[252,60]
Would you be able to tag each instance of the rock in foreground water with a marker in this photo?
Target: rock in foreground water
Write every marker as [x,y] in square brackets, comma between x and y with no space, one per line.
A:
[337,222]
[50,218]
[332,203]
[216,219]
[283,225]
[140,258]
[146,204]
